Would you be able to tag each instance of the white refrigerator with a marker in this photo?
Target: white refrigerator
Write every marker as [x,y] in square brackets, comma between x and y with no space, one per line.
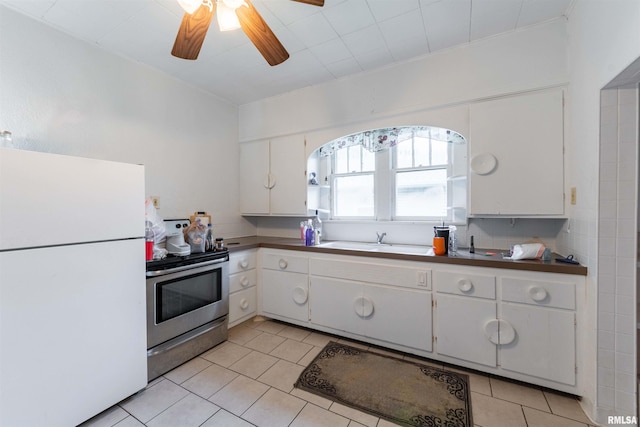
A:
[72,287]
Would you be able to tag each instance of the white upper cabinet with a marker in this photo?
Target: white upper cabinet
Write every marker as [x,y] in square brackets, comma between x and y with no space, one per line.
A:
[516,156]
[273,177]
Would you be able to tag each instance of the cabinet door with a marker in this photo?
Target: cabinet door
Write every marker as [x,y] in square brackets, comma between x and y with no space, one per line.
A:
[285,294]
[399,316]
[336,303]
[544,343]
[516,156]
[288,176]
[254,178]
[461,328]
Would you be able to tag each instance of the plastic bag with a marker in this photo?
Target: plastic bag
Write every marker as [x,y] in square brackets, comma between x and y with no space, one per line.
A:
[196,235]
[157,223]
[527,251]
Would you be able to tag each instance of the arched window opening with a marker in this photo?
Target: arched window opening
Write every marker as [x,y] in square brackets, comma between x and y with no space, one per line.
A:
[410,173]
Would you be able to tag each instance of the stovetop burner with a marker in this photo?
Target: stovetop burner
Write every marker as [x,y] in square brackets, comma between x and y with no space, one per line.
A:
[172,261]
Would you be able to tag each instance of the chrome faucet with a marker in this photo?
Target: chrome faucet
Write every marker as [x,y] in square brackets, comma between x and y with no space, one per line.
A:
[380,237]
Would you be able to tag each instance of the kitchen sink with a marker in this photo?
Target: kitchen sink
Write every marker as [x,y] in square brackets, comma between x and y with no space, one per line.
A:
[375,247]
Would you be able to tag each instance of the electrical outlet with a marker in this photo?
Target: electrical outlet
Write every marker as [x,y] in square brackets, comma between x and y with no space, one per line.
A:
[156,201]
[573,195]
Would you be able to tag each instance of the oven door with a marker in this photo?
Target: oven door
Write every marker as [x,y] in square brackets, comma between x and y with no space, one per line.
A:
[180,301]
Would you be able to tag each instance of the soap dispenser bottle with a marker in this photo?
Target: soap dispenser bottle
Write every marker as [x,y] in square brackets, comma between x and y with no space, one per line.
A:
[317,228]
[309,233]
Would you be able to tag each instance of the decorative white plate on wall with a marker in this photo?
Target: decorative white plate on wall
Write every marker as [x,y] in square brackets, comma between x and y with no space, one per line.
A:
[483,164]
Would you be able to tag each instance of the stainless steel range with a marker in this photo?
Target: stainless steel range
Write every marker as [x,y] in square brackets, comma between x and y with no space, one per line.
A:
[187,308]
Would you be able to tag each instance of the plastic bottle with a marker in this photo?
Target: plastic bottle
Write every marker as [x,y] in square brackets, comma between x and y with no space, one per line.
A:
[309,233]
[453,242]
[303,231]
[148,240]
[317,227]
[208,246]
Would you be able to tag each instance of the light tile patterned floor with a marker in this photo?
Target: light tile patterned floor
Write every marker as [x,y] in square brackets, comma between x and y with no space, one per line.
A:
[248,380]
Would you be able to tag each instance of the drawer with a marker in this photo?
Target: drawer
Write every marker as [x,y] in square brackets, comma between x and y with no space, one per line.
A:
[242,261]
[539,292]
[463,283]
[378,273]
[285,262]
[242,304]
[242,280]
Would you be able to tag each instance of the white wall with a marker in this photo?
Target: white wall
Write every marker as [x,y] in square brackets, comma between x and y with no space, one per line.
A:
[433,90]
[517,61]
[604,38]
[61,95]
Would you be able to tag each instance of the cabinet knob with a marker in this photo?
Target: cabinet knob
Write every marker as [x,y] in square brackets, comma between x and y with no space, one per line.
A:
[491,331]
[244,282]
[507,333]
[244,304]
[465,285]
[300,295]
[244,263]
[283,263]
[499,331]
[538,293]
[363,306]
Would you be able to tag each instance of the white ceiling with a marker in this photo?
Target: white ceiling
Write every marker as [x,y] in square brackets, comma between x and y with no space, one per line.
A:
[344,37]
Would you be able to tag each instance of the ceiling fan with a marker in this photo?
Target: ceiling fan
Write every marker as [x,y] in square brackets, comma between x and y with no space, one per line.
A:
[231,14]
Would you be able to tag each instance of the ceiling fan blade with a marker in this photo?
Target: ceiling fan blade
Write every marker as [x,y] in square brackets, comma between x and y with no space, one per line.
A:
[261,35]
[312,2]
[192,32]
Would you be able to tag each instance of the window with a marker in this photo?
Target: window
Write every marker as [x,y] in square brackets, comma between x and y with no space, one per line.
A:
[352,181]
[392,174]
[420,178]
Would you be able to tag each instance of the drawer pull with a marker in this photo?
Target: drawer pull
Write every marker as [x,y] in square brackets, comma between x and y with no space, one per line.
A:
[244,304]
[465,285]
[283,263]
[363,306]
[244,282]
[300,295]
[244,263]
[538,293]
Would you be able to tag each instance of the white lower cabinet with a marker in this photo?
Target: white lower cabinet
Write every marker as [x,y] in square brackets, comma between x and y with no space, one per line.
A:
[460,328]
[399,316]
[243,299]
[392,306]
[526,329]
[519,324]
[542,313]
[333,304]
[285,295]
[394,315]
[285,286]
[544,345]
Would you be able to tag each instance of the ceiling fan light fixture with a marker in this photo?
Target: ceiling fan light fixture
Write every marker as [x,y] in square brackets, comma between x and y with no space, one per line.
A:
[227,18]
[190,6]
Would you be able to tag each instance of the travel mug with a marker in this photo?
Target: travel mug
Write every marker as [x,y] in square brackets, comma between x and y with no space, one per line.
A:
[439,247]
[444,233]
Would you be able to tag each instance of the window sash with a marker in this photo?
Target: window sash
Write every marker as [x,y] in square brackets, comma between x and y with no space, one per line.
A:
[335,212]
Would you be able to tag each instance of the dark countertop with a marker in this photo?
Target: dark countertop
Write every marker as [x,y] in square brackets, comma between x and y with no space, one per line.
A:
[462,257]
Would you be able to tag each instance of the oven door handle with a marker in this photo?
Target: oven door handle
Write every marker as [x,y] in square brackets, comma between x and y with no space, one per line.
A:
[185,267]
